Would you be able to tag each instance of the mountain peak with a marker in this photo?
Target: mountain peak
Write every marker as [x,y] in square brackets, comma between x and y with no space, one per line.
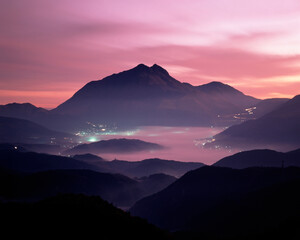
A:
[141,76]
[15,109]
[157,68]
[153,69]
[141,66]
[217,87]
[147,95]
[15,104]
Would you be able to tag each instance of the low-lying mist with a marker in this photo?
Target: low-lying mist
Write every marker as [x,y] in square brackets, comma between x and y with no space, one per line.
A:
[181,144]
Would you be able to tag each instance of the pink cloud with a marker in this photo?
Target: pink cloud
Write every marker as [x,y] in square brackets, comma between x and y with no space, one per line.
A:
[46,46]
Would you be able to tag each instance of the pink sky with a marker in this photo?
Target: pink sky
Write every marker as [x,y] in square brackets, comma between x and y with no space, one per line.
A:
[49,49]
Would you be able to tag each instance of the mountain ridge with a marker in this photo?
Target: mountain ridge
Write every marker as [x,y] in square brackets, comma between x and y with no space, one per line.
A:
[17,130]
[260,158]
[150,96]
[141,96]
[279,129]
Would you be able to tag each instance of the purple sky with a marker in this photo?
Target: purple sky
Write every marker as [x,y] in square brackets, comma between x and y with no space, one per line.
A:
[49,49]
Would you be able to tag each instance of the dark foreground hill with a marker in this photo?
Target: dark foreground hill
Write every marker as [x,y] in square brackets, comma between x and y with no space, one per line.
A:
[269,213]
[260,158]
[34,162]
[73,216]
[198,193]
[118,189]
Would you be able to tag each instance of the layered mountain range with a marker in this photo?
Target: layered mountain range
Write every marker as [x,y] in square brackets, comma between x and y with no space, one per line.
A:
[150,96]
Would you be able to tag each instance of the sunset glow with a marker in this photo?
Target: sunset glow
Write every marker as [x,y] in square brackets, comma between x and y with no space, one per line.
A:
[50,49]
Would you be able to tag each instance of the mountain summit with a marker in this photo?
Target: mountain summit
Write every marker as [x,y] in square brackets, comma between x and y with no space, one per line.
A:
[137,83]
[214,87]
[150,96]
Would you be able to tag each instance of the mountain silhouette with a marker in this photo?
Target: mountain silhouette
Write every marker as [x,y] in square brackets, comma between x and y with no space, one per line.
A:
[88,158]
[260,158]
[218,92]
[41,116]
[21,160]
[21,110]
[118,189]
[74,216]
[155,182]
[15,130]
[35,162]
[150,96]
[278,129]
[219,87]
[148,167]
[121,145]
[202,190]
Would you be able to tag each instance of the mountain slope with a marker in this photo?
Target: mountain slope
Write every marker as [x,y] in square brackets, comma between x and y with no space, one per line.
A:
[260,158]
[268,105]
[268,213]
[223,94]
[198,191]
[279,128]
[150,96]
[15,130]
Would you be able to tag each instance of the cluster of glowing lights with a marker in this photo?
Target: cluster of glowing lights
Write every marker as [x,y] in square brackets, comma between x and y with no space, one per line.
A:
[250,110]
[94,135]
[92,139]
